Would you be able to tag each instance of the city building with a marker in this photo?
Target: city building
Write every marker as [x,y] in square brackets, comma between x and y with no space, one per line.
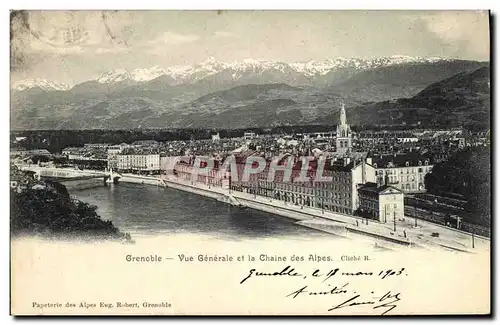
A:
[215,137]
[112,154]
[383,203]
[141,160]
[406,172]
[146,143]
[407,139]
[319,135]
[96,145]
[19,151]
[69,150]
[184,170]
[248,135]
[86,153]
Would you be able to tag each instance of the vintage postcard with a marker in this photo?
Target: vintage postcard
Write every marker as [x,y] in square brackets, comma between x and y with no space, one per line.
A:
[250,163]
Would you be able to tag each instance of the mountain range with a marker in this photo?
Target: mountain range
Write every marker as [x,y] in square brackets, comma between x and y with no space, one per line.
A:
[217,94]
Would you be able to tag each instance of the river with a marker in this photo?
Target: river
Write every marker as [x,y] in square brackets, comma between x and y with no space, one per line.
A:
[144,210]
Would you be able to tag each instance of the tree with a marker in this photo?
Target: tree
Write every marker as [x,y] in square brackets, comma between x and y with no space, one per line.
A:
[467,173]
[48,208]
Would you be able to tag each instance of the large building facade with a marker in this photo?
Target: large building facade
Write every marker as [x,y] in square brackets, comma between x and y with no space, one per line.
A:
[338,195]
[137,160]
[405,173]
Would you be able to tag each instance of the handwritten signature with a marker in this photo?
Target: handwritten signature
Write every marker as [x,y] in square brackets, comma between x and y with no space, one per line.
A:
[387,301]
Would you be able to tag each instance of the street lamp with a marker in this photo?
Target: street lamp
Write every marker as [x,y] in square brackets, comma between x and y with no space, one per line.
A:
[394,221]
[415,207]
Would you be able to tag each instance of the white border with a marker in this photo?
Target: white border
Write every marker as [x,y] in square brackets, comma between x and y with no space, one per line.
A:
[257,4]
[190,4]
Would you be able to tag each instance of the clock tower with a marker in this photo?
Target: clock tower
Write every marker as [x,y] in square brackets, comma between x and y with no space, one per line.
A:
[344,135]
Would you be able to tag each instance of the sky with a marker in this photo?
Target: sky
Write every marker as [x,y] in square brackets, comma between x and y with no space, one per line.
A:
[74,46]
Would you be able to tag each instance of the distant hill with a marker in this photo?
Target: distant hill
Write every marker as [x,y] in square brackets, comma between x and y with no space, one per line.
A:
[461,100]
[399,81]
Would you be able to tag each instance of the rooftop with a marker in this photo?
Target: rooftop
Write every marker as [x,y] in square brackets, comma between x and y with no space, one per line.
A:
[374,189]
[401,160]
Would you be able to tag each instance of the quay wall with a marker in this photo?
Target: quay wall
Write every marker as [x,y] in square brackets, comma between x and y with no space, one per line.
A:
[196,190]
[289,213]
[82,183]
[136,179]
[148,180]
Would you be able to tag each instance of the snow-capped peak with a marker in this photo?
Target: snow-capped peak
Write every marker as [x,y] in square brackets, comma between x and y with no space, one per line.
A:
[114,76]
[196,71]
[142,75]
[312,68]
[209,65]
[401,59]
[209,61]
[43,84]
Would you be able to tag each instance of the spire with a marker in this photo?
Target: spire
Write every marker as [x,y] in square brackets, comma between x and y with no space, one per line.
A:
[342,115]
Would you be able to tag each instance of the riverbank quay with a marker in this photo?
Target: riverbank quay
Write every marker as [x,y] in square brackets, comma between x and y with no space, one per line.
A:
[400,232]
[81,182]
[138,179]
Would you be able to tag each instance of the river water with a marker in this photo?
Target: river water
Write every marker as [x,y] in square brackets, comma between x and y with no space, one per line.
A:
[147,210]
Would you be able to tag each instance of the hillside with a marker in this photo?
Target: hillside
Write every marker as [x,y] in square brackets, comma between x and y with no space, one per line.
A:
[402,81]
[461,100]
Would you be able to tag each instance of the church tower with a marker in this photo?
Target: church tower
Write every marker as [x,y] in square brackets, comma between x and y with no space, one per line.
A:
[344,135]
